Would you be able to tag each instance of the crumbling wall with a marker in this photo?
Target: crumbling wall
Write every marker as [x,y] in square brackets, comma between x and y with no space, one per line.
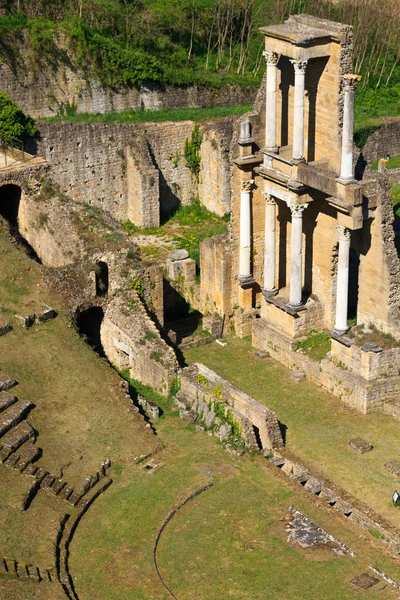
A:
[131,341]
[199,383]
[215,169]
[385,140]
[215,283]
[143,185]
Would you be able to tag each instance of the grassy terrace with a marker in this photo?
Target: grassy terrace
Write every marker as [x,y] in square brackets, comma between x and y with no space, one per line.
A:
[319,426]
[153,116]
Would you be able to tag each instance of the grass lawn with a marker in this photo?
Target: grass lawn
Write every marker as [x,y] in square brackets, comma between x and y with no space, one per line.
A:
[319,426]
[186,228]
[393,163]
[155,116]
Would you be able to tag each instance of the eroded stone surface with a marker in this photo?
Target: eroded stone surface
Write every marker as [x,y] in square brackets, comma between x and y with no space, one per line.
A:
[360,445]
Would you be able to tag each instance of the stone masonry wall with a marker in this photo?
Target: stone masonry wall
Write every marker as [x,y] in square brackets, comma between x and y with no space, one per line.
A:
[143,185]
[41,90]
[384,140]
[215,283]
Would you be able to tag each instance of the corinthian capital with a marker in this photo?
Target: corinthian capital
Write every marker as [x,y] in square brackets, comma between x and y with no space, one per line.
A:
[268,198]
[299,66]
[271,58]
[247,186]
[344,234]
[297,209]
[350,81]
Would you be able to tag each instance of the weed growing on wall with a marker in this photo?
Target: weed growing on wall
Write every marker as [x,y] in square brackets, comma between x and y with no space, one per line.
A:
[191,152]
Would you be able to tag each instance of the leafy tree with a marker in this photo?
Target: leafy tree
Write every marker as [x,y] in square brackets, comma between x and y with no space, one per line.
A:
[14,123]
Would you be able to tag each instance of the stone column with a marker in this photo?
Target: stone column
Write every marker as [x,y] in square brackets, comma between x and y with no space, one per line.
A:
[271,58]
[296,255]
[245,232]
[342,282]
[298,117]
[346,165]
[269,246]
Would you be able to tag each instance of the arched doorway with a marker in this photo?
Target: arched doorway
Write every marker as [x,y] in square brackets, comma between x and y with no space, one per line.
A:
[89,322]
[10,198]
[101,273]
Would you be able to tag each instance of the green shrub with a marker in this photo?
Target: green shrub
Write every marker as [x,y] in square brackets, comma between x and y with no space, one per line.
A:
[14,123]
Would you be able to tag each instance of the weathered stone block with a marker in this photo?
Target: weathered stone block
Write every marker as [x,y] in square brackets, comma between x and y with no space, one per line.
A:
[360,445]
[297,376]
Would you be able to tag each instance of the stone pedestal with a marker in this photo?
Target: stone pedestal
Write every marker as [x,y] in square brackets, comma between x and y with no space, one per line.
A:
[342,284]
[245,233]
[298,119]
[269,246]
[346,165]
[271,58]
[296,255]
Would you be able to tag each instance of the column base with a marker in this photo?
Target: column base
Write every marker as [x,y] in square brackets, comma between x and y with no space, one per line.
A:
[269,293]
[273,150]
[339,332]
[293,308]
[297,161]
[246,281]
[346,181]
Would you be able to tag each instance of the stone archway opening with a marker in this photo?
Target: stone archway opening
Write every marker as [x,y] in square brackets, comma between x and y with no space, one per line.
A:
[10,198]
[101,273]
[89,323]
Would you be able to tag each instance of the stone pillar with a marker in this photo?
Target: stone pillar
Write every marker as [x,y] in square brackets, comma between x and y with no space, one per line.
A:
[346,165]
[298,117]
[245,232]
[296,255]
[271,58]
[269,246]
[342,282]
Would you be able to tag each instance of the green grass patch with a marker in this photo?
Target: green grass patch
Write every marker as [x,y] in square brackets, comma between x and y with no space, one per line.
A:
[393,163]
[396,199]
[187,227]
[316,345]
[154,116]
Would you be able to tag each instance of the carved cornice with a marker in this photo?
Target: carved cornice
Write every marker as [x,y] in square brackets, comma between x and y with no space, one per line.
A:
[299,66]
[271,58]
[268,198]
[248,185]
[350,81]
[297,209]
[344,234]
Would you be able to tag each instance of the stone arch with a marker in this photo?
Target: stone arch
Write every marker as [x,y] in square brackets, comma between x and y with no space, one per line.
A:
[101,278]
[88,322]
[10,198]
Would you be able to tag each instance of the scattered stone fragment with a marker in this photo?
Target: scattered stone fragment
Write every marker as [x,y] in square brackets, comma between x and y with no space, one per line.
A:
[6,383]
[297,376]
[188,415]
[364,581]
[224,432]
[371,347]
[5,328]
[393,467]
[261,354]
[178,254]
[360,445]
[199,427]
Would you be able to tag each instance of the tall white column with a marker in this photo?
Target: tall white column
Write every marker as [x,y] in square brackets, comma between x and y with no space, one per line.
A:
[342,282]
[346,165]
[296,255]
[269,245]
[298,117]
[245,232]
[271,58]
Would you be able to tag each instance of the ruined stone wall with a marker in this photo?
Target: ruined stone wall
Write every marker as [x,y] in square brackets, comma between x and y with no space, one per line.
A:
[41,91]
[143,185]
[131,341]
[87,161]
[385,140]
[216,285]
[200,383]
[215,169]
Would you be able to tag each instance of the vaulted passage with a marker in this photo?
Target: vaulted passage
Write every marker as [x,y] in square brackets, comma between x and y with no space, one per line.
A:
[101,278]
[10,197]
[89,323]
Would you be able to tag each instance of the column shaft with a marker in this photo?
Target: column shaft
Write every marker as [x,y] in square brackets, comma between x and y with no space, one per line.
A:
[298,117]
[346,165]
[271,59]
[245,232]
[269,245]
[342,282]
[296,255]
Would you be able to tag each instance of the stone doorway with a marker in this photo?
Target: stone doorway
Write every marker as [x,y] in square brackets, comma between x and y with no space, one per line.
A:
[10,198]
[88,323]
